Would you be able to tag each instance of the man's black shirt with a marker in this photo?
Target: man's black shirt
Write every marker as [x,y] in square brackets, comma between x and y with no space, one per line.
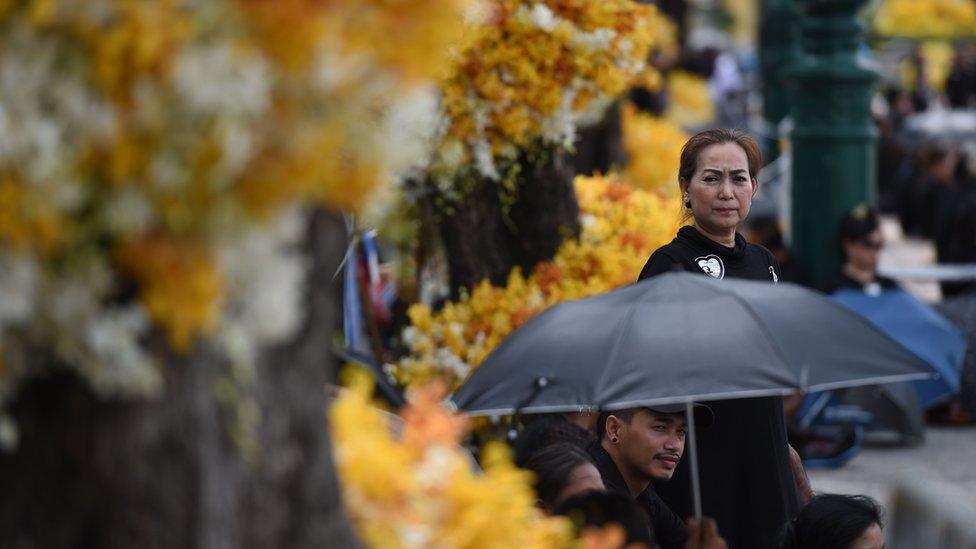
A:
[667,528]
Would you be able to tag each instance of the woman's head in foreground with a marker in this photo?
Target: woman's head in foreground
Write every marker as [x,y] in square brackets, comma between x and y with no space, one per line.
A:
[835,521]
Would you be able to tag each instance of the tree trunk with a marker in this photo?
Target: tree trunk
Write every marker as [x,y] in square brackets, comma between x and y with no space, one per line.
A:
[165,472]
[483,241]
[546,212]
[476,239]
[600,147]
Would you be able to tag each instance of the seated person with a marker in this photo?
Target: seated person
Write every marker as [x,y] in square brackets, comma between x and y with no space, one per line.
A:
[835,521]
[640,445]
[861,242]
[562,471]
[598,510]
[544,430]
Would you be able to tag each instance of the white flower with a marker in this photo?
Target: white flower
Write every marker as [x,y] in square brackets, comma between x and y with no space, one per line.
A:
[484,160]
[598,40]
[118,364]
[219,80]
[18,284]
[265,271]
[450,362]
[560,127]
[410,129]
[128,211]
[543,17]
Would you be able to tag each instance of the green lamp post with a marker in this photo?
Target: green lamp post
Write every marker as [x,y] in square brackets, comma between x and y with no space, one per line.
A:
[779,47]
[833,138]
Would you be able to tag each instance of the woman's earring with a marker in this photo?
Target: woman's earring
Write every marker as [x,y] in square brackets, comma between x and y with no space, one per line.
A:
[613,439]
[687,201]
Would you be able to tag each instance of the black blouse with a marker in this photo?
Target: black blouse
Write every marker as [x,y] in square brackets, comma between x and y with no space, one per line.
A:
[747,484]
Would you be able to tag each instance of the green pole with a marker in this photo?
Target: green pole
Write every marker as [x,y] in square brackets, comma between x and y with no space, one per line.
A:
[779,47]
[833,139]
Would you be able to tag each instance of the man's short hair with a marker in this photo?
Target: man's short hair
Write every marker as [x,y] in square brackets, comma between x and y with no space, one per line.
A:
[601,423]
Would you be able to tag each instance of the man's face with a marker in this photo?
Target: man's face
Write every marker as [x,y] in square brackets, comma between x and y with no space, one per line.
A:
[651,443]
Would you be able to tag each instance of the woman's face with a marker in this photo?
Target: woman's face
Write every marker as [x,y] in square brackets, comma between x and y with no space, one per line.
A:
[721,188]
[584,478]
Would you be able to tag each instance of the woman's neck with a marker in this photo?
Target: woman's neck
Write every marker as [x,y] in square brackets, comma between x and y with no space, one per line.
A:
[723,237]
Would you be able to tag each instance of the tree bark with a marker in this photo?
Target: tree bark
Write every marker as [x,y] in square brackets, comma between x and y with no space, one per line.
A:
[483,241]
[600,147]
[165,472]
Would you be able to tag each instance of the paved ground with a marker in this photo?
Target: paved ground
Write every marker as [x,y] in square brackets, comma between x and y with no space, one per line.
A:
[946,461]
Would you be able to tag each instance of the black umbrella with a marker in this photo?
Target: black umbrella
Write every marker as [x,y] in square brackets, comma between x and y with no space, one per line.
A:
[683,337]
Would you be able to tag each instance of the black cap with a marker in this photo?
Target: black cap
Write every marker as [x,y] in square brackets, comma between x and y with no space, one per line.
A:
[861,221]
[704,417]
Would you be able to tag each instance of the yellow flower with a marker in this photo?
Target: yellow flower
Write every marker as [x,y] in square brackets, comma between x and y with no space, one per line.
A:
[28,221]
[178,284]
[926,19]
[419,489]
[532,58]
[653,146]
[689,102]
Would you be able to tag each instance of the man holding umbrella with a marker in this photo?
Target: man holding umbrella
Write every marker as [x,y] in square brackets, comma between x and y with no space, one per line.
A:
[638,446]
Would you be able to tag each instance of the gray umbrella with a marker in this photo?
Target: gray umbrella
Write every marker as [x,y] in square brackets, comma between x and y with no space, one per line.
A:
[897,417]
[681,337]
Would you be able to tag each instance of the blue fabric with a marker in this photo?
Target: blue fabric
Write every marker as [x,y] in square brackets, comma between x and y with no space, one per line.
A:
[352,307]
[921,330]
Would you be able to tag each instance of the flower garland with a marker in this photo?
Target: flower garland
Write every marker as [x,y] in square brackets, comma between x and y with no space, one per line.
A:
[419,489]
[928,19]
[534,71]
[621,226]
[158,161]
[653,146]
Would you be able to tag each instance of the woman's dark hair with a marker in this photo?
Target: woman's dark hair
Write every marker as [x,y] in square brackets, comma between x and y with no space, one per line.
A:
[602,508]
[831,521]
[700,141]
[545,430]
[553,466]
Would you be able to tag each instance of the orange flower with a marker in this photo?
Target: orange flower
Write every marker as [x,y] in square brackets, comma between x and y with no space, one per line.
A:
[178,284]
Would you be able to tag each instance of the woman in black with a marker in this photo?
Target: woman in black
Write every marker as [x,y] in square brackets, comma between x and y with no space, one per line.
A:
[747,482]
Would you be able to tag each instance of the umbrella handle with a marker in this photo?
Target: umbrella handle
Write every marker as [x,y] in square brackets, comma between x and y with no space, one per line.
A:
[693,451]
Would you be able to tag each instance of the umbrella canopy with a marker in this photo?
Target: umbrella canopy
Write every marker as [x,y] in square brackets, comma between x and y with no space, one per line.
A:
[680,337]
[896,415]
[920,329]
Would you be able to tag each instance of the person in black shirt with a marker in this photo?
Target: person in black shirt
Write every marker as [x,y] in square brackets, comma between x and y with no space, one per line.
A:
[749,474]
[861,242]
[640,445]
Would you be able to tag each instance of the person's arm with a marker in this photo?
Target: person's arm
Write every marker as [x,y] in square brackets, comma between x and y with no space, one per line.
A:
[659,263]
[803,490]
[704,536]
